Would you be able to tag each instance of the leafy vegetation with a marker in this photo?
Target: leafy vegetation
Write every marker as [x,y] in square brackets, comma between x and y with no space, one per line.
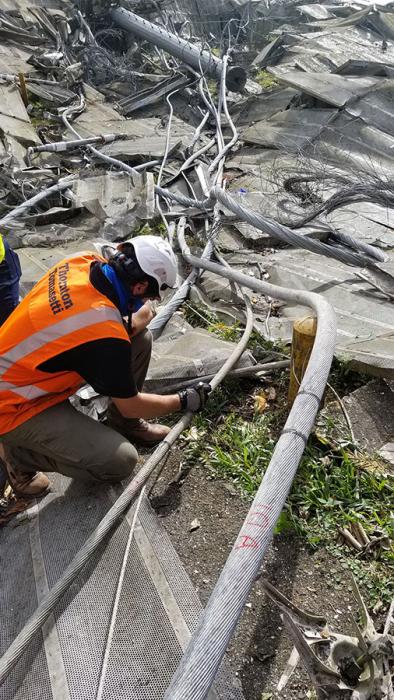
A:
[155,227]
[334,486]
[266,80]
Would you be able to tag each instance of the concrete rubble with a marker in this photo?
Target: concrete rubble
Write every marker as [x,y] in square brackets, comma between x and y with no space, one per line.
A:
[314,119]
[120,98]
[370,410]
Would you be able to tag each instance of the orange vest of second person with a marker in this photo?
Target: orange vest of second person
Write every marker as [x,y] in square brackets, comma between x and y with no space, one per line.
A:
[62,311]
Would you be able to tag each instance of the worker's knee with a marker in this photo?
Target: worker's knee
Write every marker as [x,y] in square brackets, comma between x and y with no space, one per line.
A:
[143,341]
[123,462]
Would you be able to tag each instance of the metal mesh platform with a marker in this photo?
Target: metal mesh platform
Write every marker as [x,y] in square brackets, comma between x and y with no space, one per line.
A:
[158,607]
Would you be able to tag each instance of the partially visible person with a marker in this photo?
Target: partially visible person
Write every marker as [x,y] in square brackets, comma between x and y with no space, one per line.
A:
[10,274]
[70,329]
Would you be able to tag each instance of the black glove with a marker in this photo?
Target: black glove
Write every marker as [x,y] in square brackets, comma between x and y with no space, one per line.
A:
[194,397]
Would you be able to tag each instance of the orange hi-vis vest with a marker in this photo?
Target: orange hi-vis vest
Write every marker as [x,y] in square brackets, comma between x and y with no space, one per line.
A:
[62,311]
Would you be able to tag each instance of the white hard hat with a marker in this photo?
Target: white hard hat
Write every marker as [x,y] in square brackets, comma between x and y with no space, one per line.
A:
[156,257]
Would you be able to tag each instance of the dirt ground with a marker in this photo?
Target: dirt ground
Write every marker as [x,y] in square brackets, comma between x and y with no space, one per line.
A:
[313,580]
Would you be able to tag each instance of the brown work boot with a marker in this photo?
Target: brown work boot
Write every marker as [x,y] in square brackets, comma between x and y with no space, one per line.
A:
[26,484]
[141,432]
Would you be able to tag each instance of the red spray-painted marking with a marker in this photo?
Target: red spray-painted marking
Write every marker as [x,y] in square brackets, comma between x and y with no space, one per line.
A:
[247,542]
[260,518]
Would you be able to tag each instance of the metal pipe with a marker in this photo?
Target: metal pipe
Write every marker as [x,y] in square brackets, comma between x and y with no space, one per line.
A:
[59,146]
[180,48]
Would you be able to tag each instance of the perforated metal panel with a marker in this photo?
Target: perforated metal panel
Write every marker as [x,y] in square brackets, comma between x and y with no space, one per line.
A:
[158,607]
[30,678]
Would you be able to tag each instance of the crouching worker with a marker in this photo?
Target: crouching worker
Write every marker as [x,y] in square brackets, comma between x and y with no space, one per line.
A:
[68,331]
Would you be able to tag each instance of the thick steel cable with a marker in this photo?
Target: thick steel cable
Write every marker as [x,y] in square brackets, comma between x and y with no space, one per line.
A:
[118,594]
[276,230]
[21,209]
[196,672]
[239,373]
[261,222]
[235,135]
[286,235]
[158,323]
[51,599]
[165,156]
[352,242]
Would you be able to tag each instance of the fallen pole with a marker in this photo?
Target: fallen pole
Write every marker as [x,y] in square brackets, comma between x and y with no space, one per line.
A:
[188,53]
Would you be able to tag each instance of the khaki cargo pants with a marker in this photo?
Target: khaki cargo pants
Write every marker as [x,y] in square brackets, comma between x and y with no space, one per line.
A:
[63,440]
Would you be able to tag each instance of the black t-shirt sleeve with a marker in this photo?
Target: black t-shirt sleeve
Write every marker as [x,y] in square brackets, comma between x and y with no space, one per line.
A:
[105,364]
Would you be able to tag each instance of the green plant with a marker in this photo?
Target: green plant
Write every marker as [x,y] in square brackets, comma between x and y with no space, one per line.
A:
[344,378]
[330,490]
[266,80]
[199,315]
[155,227]
[213,87]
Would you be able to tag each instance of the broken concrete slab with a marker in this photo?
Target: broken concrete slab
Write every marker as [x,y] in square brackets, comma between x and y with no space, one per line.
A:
[269,54]
[36,261]
[143,136]
[376,107]
[337,47]
[371,413]
[263,106]
[117,200]
[148,137]
[354,220]
[352,145]
[191,354]
[13,59]
[290,130]
[336,90]
[316,11]
[365,317]
[14,119]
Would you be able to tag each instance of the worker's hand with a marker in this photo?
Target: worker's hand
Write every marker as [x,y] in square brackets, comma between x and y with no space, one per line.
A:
[195,397]
[141,318]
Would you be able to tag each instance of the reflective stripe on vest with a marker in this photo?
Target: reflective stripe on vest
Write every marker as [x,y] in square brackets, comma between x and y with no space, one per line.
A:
[55,331]
[42,337]
[2,249]
[63,310]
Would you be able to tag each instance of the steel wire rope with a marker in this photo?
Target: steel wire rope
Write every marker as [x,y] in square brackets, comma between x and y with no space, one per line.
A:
[51,599]
[165,156]
[261,222]
[197,669]
[274,228]
[21,209]
[234,139]
[111,161]
[157,324]
[118,594]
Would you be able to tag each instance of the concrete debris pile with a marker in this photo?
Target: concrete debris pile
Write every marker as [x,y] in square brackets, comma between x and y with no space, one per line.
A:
[314,150]
[256,132]
[91,89]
